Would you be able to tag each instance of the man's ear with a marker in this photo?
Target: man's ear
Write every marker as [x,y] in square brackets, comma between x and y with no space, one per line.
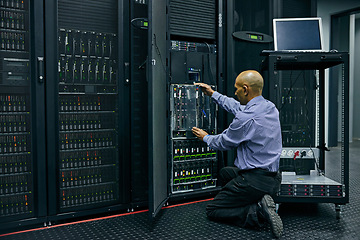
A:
[246,89]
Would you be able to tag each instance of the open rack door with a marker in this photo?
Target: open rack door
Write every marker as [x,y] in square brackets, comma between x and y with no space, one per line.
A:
[157,105]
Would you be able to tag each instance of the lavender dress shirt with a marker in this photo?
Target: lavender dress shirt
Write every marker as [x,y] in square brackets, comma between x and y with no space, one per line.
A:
[255,132]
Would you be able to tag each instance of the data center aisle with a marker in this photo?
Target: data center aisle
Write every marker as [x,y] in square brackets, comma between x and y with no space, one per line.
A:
[189,221]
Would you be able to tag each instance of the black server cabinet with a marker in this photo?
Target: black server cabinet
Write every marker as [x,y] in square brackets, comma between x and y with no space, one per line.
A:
[84,111]
[138,40]
[193,165]
[193,56]
[183,49]
[22,171]
[244,20]
[249,31]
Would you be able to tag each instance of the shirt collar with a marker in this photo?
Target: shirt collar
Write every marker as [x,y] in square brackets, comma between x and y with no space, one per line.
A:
[254,101]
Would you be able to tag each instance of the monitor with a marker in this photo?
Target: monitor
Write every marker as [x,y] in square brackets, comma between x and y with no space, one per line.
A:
[298,34]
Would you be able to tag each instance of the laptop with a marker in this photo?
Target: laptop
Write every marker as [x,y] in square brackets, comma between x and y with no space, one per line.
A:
[298,35]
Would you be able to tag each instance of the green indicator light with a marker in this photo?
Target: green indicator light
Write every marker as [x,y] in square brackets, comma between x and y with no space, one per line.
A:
[146,24]
[254,37]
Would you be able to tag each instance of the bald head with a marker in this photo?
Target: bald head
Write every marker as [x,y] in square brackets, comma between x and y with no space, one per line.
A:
[249,84]
[253,79]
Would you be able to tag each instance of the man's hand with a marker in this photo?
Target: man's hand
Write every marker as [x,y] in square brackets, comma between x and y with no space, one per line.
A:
[199,133]
[206,89]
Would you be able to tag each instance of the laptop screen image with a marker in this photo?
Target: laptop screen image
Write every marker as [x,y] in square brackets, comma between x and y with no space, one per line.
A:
[298,34]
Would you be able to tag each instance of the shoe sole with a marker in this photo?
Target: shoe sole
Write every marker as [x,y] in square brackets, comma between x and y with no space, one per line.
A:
[276,224]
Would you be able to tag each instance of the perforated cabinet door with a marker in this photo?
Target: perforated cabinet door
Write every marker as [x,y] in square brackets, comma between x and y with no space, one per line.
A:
[158,193]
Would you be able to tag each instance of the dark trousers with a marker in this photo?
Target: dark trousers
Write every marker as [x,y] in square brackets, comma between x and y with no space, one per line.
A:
[237,202]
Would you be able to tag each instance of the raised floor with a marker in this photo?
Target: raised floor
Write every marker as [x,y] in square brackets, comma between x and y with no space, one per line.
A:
[189,221]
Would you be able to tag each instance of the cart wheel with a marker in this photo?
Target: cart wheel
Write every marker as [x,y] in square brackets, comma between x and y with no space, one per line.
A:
[337,211]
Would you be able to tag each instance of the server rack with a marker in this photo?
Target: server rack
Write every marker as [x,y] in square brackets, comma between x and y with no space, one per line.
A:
[84,113]
[192,52]
[194,165]
[301,104]
[22,185]
[15,118]
[137,69]
[80,163]
[184,50]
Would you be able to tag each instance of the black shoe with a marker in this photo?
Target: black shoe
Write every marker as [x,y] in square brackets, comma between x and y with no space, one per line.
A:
[267,205]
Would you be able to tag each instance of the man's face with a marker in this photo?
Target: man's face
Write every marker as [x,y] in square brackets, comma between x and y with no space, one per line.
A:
[240,92]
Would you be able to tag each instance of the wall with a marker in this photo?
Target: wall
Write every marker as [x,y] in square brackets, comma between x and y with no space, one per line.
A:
[326,8]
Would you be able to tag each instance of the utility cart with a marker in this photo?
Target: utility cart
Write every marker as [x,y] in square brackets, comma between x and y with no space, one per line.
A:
[297,86]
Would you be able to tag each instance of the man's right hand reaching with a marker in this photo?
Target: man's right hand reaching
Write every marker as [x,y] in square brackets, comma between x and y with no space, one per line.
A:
[206,89]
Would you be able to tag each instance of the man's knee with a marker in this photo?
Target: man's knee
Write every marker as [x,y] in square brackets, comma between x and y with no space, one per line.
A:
[210,211]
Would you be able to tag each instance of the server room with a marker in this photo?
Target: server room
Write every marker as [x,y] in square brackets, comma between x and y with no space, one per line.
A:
[179,119]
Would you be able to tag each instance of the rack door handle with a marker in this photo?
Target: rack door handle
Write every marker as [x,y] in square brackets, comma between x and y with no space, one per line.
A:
[40,61]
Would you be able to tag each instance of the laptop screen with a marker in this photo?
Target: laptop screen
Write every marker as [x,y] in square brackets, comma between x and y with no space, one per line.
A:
[298,34]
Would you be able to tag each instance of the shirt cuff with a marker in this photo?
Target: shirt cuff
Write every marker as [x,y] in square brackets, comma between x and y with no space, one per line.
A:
[216,95]
[205,138]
